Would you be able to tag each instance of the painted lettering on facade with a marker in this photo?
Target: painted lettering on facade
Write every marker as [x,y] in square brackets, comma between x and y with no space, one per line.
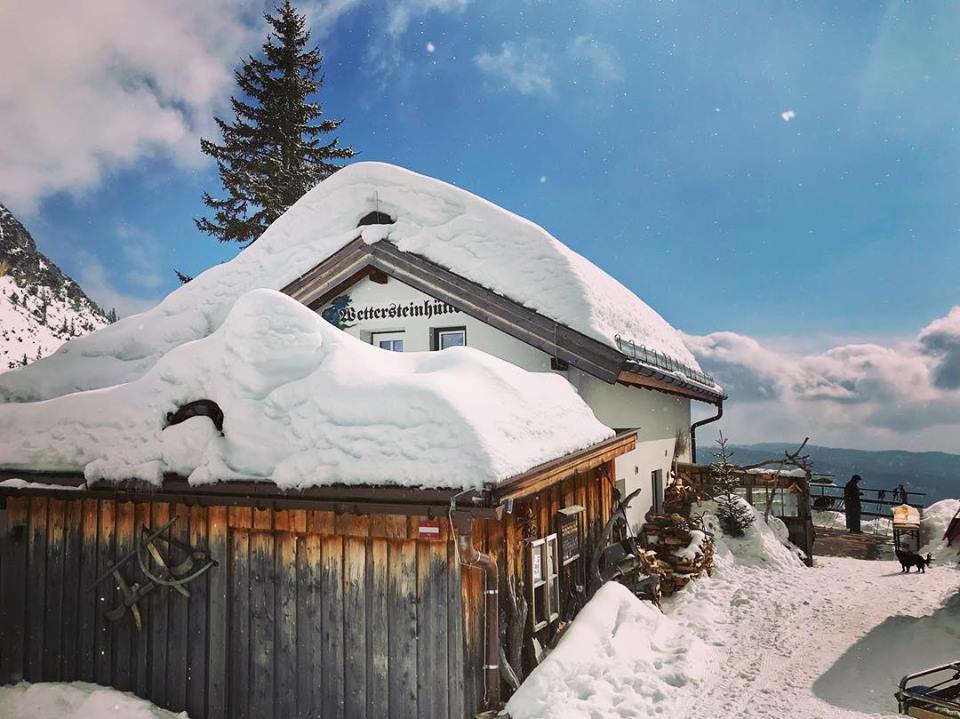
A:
[342,313]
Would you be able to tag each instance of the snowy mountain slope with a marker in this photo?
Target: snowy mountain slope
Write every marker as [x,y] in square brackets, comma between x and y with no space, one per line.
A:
[40,307]
[449,226]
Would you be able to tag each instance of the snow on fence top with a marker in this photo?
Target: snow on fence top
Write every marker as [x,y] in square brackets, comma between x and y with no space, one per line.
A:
[305,404]
[447,225]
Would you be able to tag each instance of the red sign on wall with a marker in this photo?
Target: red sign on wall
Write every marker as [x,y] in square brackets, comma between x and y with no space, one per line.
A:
[429,530]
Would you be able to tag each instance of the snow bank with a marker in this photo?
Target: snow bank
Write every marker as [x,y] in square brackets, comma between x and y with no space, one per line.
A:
[445,224]
[77,700]
[762,543]
[306,404]
[620,657]
[933,525]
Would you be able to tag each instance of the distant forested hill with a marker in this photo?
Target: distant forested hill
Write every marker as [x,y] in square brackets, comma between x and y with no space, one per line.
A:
[936,473]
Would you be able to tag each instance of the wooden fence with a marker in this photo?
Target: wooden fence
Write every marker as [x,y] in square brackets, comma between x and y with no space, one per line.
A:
[307,613]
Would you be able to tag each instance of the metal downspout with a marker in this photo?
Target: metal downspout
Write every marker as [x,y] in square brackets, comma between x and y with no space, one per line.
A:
[472,557]
[695,425]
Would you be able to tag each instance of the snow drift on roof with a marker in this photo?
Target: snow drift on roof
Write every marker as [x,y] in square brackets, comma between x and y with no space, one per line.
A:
[305,404]
[447,225]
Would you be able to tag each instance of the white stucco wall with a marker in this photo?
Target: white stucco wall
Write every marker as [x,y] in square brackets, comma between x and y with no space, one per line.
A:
[656,416]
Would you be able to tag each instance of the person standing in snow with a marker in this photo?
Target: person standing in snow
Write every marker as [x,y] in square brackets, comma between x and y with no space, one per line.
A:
[851,504]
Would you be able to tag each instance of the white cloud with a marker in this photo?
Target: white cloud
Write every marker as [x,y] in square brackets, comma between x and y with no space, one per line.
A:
[141,251]
[400,13]
[901,395]
[597,56]
[97,281]
[524,67]
[322,16]
[788,115]
[92,86]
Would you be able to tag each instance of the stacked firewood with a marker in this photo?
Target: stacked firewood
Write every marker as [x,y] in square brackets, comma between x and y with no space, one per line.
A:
[678,552]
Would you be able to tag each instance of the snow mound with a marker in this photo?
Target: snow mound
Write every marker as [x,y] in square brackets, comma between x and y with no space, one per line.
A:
[447,225]
[933,525]
[77,700]
[763,544]
[307,404]
[620,657]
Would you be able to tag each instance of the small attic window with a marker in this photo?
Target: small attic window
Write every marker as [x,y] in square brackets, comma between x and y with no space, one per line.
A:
[376,218]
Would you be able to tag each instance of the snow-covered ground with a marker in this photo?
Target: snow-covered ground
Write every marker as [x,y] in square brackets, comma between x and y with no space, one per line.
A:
[77,700]
[764,638]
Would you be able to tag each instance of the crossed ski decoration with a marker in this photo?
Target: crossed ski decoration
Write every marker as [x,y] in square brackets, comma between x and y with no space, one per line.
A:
[157,575]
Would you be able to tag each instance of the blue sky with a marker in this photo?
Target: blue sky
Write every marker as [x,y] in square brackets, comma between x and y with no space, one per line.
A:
[783,171]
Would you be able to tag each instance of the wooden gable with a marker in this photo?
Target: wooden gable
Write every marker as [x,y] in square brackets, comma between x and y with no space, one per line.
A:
[359,260]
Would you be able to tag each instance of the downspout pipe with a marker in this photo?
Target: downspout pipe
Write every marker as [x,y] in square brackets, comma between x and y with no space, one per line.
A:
[473,557]
[695,425]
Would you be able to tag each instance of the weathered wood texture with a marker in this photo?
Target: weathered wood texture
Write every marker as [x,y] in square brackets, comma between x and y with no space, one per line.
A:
[307,613]
[507,541]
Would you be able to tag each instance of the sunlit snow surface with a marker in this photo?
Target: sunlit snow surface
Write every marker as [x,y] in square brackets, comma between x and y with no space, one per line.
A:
[445,224]
[77,700]
[763,638]
[306,404]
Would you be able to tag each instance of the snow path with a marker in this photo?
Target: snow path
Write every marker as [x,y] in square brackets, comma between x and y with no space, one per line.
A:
[779,632]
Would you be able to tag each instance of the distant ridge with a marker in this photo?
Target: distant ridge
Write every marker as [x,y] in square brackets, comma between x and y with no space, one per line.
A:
[937,473]
[40,307]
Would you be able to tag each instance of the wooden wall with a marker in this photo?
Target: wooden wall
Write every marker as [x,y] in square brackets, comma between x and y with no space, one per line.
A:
[592,490]
[308,613]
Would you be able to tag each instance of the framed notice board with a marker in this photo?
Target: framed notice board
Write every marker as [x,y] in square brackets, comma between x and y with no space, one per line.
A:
[568,529]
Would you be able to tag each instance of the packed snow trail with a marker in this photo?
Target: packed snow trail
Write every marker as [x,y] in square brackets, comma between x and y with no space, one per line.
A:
[794,638]
[764,638]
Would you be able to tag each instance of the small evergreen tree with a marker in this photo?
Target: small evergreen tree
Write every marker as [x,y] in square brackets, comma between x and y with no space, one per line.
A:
[184,278]
[732,511]
[272,152]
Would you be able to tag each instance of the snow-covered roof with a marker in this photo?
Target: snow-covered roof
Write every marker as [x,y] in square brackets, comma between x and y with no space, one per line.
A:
[449,226]
[306,404]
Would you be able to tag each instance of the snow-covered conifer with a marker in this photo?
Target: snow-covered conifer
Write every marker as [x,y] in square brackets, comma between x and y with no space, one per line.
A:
[732,511]
[276,148]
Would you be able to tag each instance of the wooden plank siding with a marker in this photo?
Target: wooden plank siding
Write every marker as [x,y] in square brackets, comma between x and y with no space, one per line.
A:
[307,614]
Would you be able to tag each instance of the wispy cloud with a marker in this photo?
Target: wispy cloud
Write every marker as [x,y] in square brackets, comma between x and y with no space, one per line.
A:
[905,394]
[90,87]
[524,67]
[142,253]
[598,57]
[100,283]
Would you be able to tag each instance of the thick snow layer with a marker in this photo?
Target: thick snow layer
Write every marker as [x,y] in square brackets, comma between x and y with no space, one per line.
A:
[77,700]
[445,224]
[621,657]
[772,638]
[306,404]
[796,472]
[16,483]
[933,525]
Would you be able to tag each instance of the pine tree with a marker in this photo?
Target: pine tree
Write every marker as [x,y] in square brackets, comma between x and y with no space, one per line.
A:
[733,512]
[272,153]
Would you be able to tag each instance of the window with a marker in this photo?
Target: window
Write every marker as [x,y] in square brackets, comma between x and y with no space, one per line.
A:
[444,337]
[391,341]
[544,582]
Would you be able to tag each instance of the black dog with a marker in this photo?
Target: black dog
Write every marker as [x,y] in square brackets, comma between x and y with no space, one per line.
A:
[912,559]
